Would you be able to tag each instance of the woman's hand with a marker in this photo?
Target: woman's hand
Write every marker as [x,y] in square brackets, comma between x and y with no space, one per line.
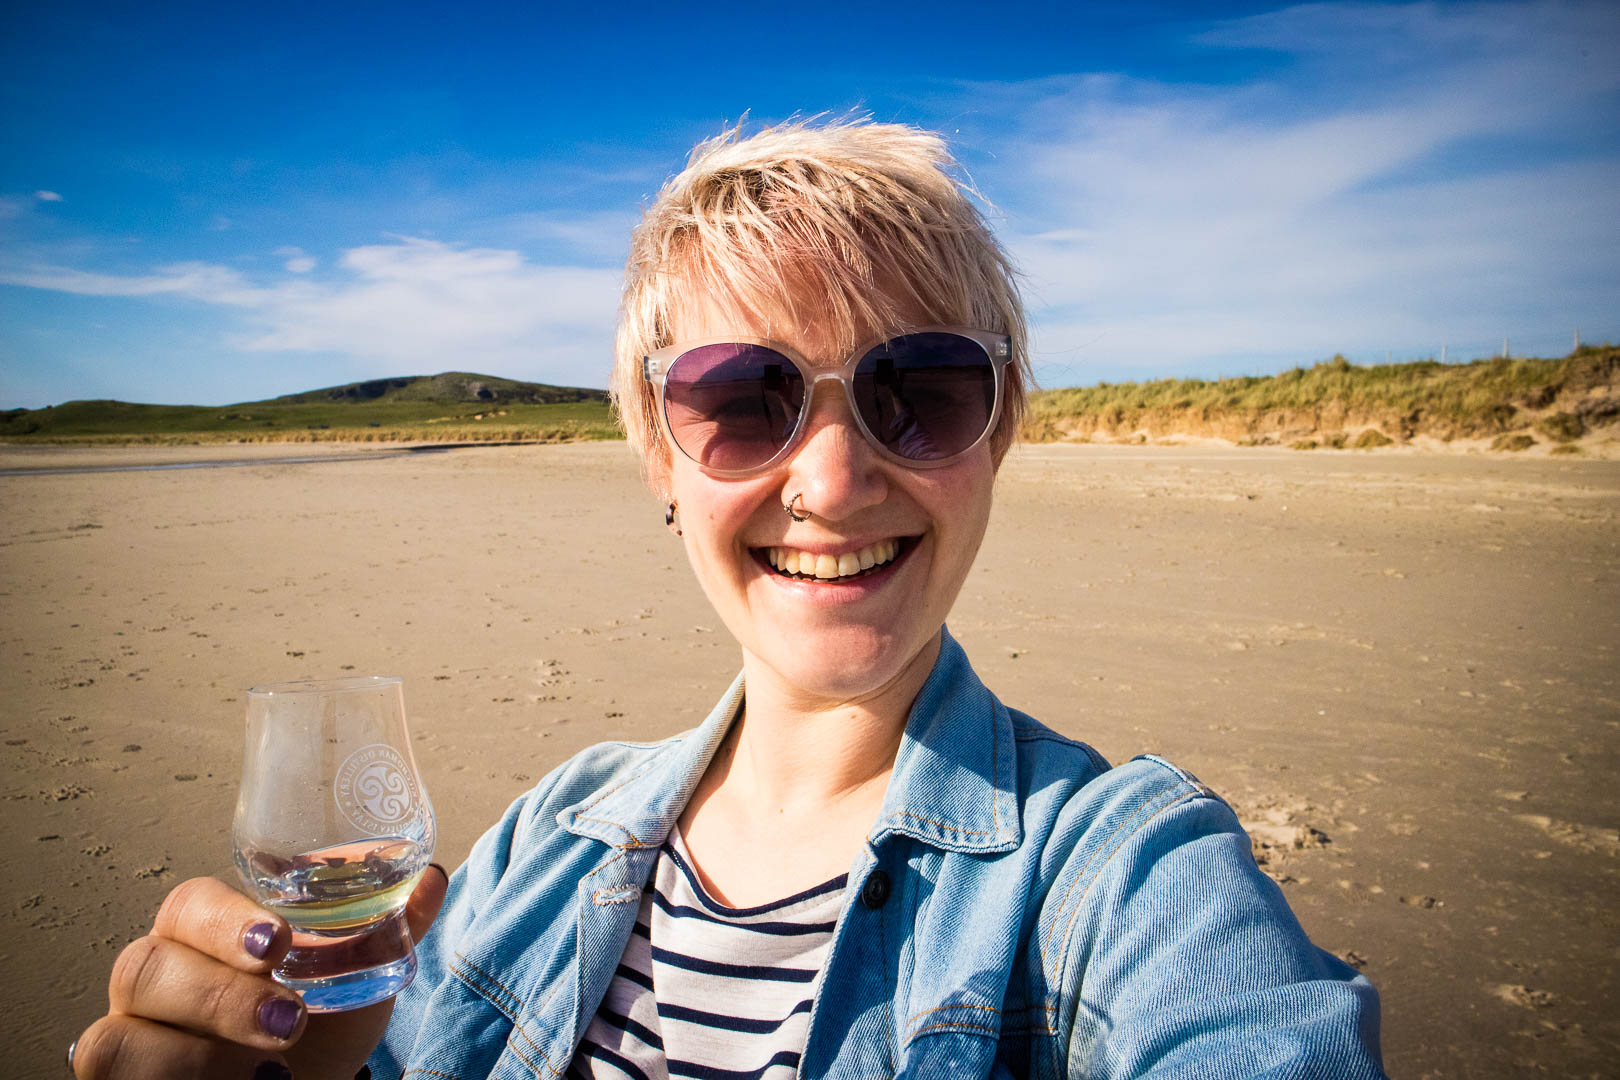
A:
[194,998]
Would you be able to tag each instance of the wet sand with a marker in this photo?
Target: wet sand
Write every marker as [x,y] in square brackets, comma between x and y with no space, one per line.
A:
[1400,668]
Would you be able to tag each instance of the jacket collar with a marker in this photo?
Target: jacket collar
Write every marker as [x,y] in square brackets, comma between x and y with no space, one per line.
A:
[954,784]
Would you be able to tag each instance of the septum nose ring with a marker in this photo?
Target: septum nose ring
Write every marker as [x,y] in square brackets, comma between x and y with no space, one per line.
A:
[795,514]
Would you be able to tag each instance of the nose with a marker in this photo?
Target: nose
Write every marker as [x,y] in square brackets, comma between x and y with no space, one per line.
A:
[834,467]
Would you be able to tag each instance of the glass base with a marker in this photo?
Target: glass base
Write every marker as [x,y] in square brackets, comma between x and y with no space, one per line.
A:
[338,973]
[354,989]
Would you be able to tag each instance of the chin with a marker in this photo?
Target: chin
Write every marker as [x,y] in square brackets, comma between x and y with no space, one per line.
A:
[846,664]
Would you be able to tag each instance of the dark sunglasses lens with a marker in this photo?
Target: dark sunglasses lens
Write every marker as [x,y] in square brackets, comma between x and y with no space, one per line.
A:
[926,396]
[732,406]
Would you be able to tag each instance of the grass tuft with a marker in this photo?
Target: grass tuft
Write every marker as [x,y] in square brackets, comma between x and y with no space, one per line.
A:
[1370,439]
[1561,427]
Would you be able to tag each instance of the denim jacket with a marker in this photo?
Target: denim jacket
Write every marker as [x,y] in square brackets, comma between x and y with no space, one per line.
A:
[1019,909]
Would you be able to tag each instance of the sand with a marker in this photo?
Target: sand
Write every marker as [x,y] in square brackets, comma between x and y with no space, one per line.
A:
[1400,669]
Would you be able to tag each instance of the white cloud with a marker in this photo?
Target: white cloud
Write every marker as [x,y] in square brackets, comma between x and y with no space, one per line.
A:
[407,306]
[297,262]
[47,196]
[1372,194]
[197,281]
[602,237]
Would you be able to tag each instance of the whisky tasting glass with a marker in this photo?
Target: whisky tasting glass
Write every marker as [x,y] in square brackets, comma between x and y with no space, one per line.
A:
[333,829]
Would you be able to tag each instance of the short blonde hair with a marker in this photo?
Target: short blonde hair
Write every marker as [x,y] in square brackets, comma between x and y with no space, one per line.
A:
[868,218]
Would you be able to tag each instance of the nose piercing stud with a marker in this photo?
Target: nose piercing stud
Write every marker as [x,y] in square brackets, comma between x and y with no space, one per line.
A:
[796,515]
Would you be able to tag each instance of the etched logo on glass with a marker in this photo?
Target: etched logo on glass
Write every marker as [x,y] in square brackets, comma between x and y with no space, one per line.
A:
[374,789]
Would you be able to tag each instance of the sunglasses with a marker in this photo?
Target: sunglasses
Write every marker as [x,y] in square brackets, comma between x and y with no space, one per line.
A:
[922,399]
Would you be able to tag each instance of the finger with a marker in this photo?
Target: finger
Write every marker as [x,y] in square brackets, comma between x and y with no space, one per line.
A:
[218,921]
[129,1048]
[163,980]
[423,906]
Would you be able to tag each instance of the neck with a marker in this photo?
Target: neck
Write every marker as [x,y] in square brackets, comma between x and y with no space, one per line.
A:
[798,753]
[797,784]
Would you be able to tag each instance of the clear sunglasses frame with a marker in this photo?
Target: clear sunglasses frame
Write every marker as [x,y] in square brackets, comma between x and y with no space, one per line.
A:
[656,364]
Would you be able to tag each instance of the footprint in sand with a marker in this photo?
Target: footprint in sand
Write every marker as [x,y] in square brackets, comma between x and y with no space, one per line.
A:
[1588,838]
[1524,997]
[1277,834]
[1427,903]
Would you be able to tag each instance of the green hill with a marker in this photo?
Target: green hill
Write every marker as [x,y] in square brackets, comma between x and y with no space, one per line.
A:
[451,406]
[451,386]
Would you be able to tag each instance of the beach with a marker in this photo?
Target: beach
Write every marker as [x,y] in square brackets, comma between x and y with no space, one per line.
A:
[1399,668]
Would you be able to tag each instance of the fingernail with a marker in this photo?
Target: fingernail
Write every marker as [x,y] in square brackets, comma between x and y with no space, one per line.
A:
[272,1070]
[440,868]
[278,1016]
[258,938]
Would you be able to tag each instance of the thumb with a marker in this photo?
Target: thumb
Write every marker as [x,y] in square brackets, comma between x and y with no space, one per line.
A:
[423,906]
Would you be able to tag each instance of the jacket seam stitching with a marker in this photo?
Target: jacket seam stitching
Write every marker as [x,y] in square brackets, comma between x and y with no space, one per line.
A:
[1074,917]
[510,1011]
[948,828]
[995,764]
[1032,1026]
[516,1030]
[942,1008]
[517,1017]
[888,1006]
[645,768]
[1104,852]
[954,1025]
[611,824]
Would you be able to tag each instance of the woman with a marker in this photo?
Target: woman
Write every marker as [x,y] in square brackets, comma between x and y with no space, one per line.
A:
[862,863]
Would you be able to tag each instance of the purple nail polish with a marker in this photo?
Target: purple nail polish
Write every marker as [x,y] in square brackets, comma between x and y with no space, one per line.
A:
[272,1070]
[278,1016]
[258,938]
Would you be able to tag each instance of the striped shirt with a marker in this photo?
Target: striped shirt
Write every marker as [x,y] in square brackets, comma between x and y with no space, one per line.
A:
[708,991]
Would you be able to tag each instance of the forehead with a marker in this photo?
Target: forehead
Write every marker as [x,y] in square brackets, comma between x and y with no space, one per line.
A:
[802,316]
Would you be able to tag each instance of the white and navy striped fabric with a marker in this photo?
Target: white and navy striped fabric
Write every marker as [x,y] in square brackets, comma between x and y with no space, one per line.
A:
[708,991]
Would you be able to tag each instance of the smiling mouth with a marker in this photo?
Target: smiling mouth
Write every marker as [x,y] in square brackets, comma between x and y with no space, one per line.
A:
[846,566]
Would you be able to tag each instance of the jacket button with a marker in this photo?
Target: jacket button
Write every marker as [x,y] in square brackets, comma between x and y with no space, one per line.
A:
[875,893]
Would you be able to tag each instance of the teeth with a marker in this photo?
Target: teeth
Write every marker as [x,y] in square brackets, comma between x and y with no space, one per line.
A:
[827,567]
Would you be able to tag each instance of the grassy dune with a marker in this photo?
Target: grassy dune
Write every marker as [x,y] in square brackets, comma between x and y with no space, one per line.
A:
[1517,403]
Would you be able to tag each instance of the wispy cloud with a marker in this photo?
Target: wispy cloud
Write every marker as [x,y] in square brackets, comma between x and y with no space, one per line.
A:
[47,196]
[407,305]
[1370,194]
[297,261]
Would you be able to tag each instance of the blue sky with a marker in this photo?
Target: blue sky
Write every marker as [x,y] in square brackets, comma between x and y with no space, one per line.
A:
[200,203]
